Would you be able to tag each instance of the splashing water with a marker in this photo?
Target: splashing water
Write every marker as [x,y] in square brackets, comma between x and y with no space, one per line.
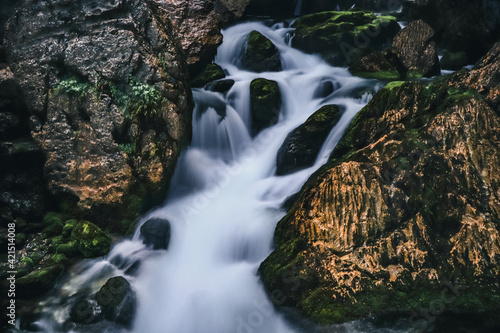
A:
[224,202]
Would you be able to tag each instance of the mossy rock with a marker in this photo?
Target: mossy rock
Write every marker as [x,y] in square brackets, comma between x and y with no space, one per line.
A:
[69,249]
[265,103]
[210,73]
[90,240]
[260,55]
[117,300]
[340,37]
[301,147]
[39,281]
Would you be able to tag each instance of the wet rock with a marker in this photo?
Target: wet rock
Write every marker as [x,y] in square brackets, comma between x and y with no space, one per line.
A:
[155,232]
[342,37]
[375,65]
[261,55]
[38,282]
[221,86]
[302,145]
[117,300]
[265,103]
[316,6]
[85,311]
[416,50]
[408,200]
[211,73]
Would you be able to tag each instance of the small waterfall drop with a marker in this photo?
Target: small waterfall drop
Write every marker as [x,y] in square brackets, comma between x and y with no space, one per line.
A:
[224,202]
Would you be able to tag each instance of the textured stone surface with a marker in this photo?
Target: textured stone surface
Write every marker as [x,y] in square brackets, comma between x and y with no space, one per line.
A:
[74,62]
[416,51]
[407,207]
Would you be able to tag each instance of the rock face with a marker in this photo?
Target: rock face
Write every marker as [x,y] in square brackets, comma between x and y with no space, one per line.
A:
[199,24]
[265,103]
[416,51]
[342,37]
[84,69]
[302,145]
[406,210]
[261,55]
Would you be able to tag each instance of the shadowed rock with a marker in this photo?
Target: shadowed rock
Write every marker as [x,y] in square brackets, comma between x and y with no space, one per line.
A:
[156,232]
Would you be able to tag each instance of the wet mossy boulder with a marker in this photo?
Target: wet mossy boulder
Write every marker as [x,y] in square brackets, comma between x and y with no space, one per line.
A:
[89,239]
[260,55]
[416,50]
[375,65]
[302,145]
[155,232]
[210,73]
[342,37]
[221,86]
[265,103]
[39,281]
[117,300]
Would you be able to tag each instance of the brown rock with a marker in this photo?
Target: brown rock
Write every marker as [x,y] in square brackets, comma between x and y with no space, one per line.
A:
[409,200]
[416,51]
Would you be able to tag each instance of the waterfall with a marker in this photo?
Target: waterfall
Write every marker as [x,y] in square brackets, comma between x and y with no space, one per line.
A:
[224,203]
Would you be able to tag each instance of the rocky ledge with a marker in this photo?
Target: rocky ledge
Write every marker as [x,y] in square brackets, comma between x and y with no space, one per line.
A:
[405,216]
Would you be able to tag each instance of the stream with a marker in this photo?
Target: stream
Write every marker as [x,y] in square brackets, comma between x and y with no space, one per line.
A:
[223,205]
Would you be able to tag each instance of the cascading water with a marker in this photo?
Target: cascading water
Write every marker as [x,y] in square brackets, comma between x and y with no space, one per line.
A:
[224,203]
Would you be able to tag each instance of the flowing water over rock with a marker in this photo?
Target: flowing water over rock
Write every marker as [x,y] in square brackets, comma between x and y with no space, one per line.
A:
[224,203]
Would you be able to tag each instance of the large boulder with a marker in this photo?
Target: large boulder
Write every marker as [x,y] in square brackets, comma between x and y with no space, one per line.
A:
[108,99]
[342,37]
[302,145]
[199,25]
[260,55]
[416,51]
[405,213]
[265,104]
[460,25]
[155,232]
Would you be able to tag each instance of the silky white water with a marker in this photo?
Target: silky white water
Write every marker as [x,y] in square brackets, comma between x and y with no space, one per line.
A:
[224,201]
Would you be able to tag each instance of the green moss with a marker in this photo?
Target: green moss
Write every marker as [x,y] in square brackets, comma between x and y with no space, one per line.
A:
[382,75]
[69,249]
[394,84]
[210,73]
[28,261]
[90,240]
[38,282]
[52,218]
[20,239]
[53,229]
[59,258]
